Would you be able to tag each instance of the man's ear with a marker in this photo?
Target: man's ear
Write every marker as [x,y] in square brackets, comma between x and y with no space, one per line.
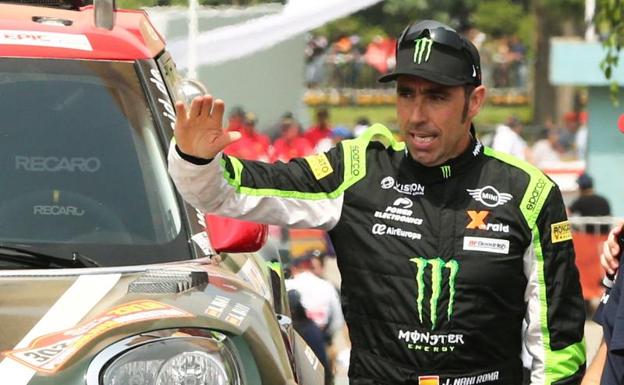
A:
[477,100]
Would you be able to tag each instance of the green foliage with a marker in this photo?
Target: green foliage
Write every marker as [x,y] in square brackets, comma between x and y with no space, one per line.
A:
[499,17]
[610,19]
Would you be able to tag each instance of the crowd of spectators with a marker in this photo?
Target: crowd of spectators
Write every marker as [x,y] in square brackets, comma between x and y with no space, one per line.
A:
[291,141]
[350,62]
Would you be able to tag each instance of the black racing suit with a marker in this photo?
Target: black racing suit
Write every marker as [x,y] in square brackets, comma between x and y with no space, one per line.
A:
[439,265]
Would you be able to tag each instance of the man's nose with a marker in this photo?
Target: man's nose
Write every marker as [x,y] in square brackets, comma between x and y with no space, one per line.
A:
[418,111]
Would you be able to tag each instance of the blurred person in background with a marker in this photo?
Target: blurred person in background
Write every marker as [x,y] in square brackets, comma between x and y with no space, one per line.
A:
[361,125]
[321,129]
[236,119]
[309,331]
[320,299]
[253,145]
[290,144]
[546,149]
[573,137]
[590,204]
[508,139]
[339,133]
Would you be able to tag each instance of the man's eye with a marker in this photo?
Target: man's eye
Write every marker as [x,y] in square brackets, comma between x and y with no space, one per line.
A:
[405,93]
[437,97]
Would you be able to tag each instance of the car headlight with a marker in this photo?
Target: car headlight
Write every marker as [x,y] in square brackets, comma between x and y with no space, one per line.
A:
[174,360]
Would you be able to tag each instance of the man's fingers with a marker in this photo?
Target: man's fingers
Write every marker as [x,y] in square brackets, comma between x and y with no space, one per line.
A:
[206,106]
[196,106]
[217,110]
[180,113]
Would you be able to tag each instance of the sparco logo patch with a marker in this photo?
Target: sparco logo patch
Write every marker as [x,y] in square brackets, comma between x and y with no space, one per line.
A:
[489,245]
[536,193]
[489,196]
[560,232]
[413,189]
[355,160]
[320,165]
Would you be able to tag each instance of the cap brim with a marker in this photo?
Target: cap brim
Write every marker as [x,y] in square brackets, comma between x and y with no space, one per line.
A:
[428,75]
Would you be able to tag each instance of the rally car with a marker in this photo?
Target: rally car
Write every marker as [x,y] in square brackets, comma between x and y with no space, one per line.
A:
[107,276]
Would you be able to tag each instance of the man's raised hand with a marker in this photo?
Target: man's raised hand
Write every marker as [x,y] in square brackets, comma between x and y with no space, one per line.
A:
[199,132]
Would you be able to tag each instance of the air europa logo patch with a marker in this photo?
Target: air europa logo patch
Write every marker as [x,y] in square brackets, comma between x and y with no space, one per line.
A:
[560,232]
[320,165]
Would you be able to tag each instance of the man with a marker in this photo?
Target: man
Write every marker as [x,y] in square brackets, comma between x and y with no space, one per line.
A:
[590,204]
[253,145]
[607,368]
[508,139]
[444,246]
[322,129]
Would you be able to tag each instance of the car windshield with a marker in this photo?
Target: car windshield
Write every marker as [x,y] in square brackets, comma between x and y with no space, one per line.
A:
[82,166]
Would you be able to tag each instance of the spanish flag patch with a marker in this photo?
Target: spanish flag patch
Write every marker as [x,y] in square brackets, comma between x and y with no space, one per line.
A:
[428,380]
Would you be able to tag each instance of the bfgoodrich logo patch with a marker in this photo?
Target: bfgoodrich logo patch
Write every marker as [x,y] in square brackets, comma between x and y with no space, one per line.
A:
[488,245]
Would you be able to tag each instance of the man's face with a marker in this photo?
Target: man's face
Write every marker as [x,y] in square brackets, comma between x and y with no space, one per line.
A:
[431,118]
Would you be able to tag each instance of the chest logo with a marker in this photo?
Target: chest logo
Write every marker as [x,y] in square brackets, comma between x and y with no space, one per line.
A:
[413,189]
[440,274]
[477,219]
[489,196]
[488,245]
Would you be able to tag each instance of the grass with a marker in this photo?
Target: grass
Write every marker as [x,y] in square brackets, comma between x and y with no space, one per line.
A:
[489,116]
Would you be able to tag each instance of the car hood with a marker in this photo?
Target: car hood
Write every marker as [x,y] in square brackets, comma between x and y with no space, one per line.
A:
[83,310]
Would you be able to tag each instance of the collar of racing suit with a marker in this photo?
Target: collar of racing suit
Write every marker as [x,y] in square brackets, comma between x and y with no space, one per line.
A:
[451,168]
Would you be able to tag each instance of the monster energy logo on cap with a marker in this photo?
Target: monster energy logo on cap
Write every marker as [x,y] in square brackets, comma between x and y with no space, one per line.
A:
[446,171]
[437,267]
[422,48]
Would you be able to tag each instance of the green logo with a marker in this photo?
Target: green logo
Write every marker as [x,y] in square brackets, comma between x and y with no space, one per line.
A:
[438,266]
[446,171]
[422,48]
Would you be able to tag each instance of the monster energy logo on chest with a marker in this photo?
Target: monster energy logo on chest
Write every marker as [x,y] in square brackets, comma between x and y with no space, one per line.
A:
[438,268]
[422,48]
[446,171]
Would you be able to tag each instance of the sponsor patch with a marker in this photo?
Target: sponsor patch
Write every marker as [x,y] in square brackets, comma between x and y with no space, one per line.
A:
[428,380]
[237,315]
[413,189]
[560,232]
[489,196]
[488,245]
[45,39]
[217,306]
[477,219]
[320,165]
[50,352]
[382,229]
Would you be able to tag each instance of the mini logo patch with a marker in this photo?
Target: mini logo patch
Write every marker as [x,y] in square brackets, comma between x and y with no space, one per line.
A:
[320,165]
[560,232]
[428,380]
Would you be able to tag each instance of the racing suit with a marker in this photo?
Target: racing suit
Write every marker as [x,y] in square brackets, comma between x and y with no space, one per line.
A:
[439,265]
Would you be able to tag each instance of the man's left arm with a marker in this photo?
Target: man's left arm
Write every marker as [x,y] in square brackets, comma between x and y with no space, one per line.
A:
[555,306]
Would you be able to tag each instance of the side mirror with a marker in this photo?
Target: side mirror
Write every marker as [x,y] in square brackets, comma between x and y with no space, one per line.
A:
[235,236]
[190,89]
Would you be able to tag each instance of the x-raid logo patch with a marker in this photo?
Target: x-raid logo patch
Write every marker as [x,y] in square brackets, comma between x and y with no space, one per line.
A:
[422,50]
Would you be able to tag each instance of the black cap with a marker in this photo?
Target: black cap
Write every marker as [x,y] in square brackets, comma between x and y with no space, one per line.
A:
[436,52]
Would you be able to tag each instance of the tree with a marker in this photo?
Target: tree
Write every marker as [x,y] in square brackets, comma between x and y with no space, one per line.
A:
[610,22]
